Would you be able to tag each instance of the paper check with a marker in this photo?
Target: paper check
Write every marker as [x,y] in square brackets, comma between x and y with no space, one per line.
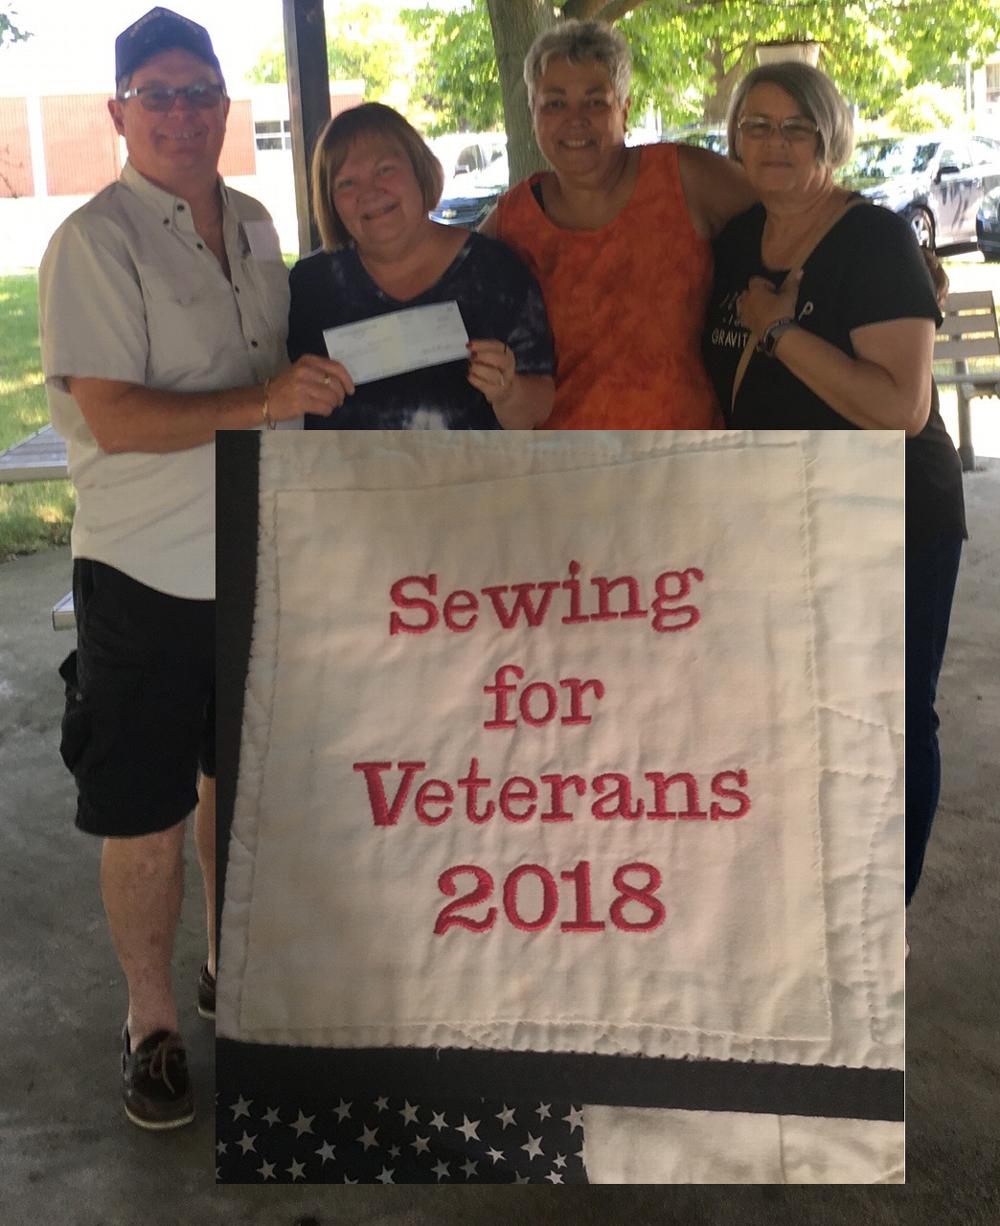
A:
[405,340]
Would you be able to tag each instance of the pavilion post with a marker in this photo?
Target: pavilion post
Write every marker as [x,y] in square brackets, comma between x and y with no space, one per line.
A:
[308,101]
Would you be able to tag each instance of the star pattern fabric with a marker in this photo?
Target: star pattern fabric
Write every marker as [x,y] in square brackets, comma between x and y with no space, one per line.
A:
[387,1140]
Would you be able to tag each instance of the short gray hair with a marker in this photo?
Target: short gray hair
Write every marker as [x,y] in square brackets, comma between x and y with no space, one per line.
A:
[815,94]
[579,42]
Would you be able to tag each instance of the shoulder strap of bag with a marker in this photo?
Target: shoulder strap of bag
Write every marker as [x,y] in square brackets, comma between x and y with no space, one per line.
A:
[803,252]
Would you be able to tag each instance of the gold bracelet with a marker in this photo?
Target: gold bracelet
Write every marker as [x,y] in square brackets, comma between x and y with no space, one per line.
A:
[266,414]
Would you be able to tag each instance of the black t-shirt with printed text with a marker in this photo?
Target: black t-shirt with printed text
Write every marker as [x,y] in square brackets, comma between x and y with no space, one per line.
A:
[867,269]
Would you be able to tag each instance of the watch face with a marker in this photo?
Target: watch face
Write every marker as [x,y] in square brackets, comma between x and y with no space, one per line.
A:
[773,333]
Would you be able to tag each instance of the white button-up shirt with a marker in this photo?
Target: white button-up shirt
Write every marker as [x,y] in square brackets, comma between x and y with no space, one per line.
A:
[129,291]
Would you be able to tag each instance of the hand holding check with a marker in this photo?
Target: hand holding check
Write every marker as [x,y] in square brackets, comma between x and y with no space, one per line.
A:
[492,369]
[312,385]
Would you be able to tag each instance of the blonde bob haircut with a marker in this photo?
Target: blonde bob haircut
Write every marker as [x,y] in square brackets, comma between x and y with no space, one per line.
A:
[371,119]
[580,42]
[816,96]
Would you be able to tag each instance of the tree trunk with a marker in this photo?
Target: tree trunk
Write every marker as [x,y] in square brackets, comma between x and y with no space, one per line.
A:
[516,24]
[716,104]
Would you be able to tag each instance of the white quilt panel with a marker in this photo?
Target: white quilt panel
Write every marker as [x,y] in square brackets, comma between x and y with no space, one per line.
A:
[752,646]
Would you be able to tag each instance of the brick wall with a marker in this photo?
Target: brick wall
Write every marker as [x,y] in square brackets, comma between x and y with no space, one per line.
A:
[239,153]
[81,145]
[16,178]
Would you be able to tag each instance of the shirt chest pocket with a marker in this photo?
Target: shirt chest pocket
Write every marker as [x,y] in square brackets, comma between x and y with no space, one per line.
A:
[269,281]
[191,323]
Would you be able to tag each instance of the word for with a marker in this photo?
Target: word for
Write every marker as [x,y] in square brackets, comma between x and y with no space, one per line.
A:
[519,799]
[642,896]
[538,700]
[610,600]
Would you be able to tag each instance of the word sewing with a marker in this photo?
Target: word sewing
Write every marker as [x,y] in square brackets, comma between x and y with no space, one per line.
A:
[646,913]
[415,611]
[656,797]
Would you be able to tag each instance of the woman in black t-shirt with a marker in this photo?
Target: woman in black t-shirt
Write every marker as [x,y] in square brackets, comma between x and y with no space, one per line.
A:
[823,317]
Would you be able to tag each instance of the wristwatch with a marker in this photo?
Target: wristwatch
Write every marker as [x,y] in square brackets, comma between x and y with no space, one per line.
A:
[772,333]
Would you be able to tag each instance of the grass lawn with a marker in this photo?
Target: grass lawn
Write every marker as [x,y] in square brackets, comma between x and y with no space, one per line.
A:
[34,514]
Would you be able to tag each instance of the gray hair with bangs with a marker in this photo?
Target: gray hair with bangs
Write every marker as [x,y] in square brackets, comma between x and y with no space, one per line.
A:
[815,94]
[580,42]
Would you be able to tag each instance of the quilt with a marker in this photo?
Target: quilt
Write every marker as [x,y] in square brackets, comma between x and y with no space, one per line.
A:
[564,800]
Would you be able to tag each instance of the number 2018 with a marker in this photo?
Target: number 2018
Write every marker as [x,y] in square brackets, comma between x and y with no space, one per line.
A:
[642,895]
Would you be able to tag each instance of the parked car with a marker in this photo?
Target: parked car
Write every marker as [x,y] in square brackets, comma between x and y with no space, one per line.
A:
[988,225]
[468,198]
[476,173]
[467,153]
[936,181]
[706,136]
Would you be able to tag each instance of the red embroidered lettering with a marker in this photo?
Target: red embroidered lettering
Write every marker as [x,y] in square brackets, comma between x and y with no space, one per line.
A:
[433,792]
[517,791]
[534,615]
[604,587]
[538,702]
[550,897]
[545,897]
[530,603]
[577,689]
[382,813]
[583,920]
[460,602]
[644,896]
[447,917]
[502,689]
[472,783]
[549,703]
[662,784]
[619,803]
[557,787]
[664,599]
[739,777]
[572,585]
[397,625]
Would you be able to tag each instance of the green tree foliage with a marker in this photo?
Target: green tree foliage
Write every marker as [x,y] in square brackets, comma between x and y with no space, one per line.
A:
[926,108]
[457,80]
[873,50]
[688,54]
[9,31]
[359,44]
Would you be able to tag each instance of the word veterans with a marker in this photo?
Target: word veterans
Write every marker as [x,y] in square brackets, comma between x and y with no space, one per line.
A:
[657,796]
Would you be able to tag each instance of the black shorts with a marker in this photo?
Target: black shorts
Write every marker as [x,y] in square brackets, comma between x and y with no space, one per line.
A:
[140,702]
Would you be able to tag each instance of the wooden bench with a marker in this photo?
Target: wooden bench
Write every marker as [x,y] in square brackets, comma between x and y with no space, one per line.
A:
[63,616]
[40,457]
[969,343]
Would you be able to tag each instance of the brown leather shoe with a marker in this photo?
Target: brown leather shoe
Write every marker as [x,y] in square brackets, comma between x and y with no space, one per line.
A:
[155,1086]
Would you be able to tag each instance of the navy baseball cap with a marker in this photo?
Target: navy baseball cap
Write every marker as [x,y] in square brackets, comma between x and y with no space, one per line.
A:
[161,30]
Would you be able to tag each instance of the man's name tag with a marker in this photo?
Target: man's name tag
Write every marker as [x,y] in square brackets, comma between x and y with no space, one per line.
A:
[405,340]
[262,239]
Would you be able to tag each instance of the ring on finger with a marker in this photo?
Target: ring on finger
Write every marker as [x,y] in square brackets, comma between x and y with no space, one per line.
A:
[326,380]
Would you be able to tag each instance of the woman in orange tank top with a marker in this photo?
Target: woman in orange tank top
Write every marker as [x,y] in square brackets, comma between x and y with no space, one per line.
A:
[619,240]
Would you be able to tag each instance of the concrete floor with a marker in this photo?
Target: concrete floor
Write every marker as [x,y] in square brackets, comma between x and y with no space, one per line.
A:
[68,1156]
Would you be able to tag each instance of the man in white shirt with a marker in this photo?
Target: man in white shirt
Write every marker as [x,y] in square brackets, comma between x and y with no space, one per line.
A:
[163,318]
